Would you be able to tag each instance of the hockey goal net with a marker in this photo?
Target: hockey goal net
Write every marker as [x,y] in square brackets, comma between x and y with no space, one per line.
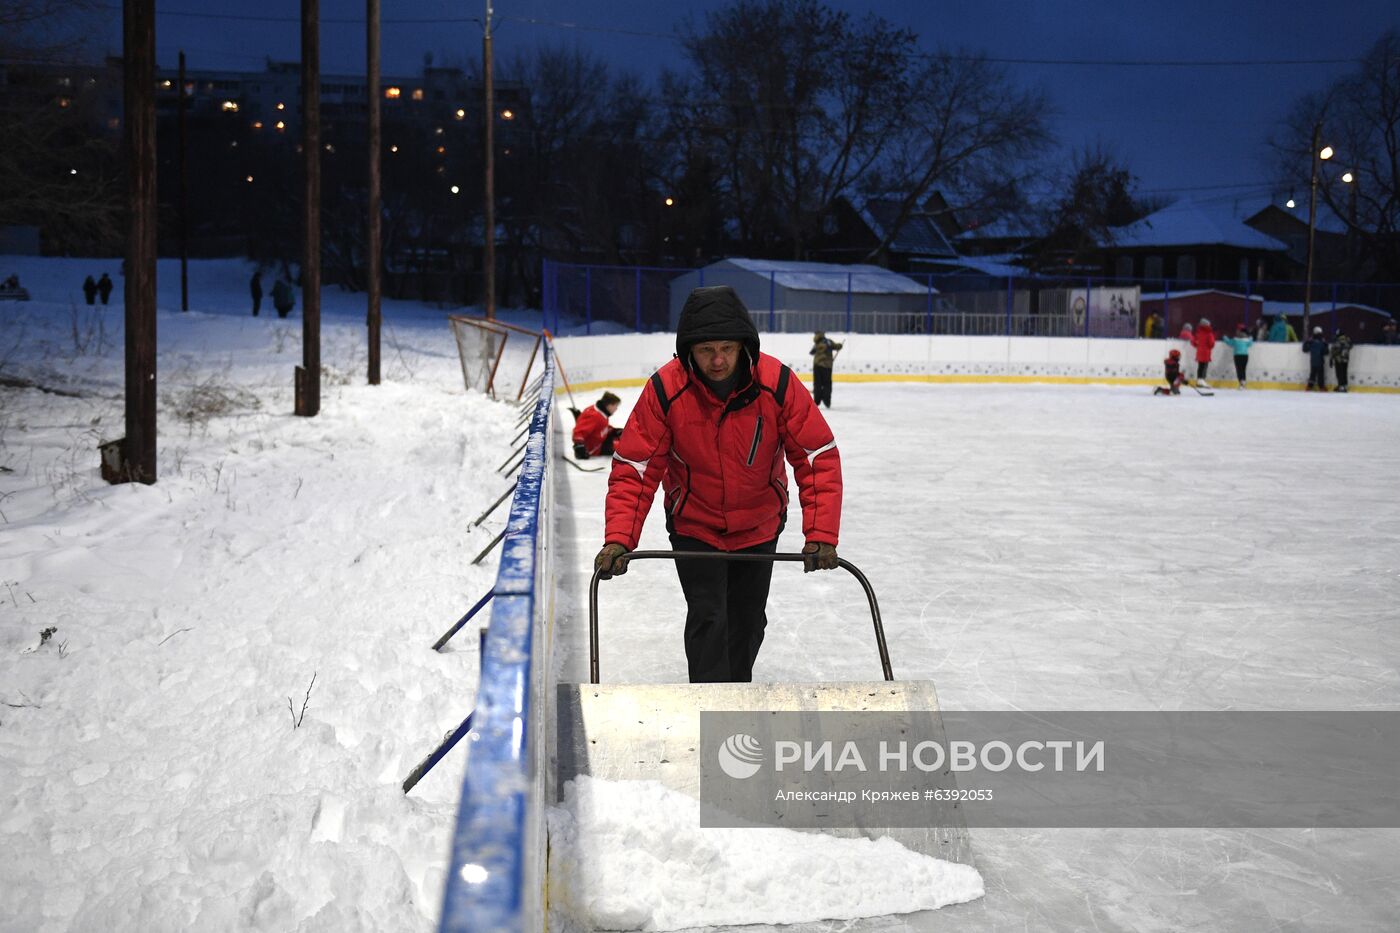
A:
[497,358]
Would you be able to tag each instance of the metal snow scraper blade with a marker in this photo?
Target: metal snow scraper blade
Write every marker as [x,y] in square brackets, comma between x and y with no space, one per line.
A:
[652,731]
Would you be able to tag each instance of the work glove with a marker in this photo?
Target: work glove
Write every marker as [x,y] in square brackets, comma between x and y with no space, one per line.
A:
[818,556]
[612,560]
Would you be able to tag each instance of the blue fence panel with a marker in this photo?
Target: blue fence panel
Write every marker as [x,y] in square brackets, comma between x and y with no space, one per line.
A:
[495,878]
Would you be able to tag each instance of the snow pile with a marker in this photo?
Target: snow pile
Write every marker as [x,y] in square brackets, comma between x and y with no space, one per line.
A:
[631,855]
[157,768]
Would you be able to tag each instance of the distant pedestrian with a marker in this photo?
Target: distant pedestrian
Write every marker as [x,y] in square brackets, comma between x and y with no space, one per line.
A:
[1204,342]
[283,297]
[1261,330]
[1390,334]
[104,288]
[1341,358]
[255,288]
[823,354]
[1316,348]
[1240,343]
[90,290]
[1172,367]
[1186,333]
[1155,328]
[1281,331]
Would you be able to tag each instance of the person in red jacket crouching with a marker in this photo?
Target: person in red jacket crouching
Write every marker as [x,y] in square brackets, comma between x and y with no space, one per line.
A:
[713,426]
[592,433]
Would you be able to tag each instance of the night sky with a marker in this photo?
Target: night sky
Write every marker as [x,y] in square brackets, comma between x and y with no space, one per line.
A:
[1193,130]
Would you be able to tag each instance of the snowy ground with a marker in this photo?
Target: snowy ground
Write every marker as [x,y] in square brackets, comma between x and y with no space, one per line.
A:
[1053,548]
[151,776]
[1089,548]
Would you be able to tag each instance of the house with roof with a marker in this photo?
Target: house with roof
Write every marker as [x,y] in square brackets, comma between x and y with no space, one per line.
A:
[1190,242]
[857,226]
[792,297]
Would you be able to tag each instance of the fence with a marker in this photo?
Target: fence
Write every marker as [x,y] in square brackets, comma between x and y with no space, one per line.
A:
[646,299]
[496,878]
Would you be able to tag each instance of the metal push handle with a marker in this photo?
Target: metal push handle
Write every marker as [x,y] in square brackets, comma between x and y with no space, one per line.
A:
[725,555]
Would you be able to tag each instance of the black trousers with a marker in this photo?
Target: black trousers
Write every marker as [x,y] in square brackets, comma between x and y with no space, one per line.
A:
[1241,364]
[257,304]
[726,611]
[821,385]
[1341,374]
[1201,368]
[1317,375]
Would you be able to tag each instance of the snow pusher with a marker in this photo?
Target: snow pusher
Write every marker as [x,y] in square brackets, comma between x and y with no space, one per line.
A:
[652,731]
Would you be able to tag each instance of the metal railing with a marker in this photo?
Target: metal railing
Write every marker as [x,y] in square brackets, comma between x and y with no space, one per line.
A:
[596,299]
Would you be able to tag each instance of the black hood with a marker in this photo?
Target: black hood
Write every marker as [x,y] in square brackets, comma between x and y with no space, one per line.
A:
[715,313]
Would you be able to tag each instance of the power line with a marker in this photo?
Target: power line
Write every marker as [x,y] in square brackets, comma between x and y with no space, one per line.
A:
[677,37]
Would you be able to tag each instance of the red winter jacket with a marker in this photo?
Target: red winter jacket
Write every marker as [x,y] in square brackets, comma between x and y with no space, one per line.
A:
[722,463]
[1204,342]
[592,430]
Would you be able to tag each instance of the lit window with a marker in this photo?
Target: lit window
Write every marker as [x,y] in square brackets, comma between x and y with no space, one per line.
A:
[507,114]
[230,106]
[418,93]
[393,93]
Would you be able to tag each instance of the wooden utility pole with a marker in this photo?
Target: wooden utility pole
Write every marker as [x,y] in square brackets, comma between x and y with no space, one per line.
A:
[372,257]
[133,458]
[1312,224]
[489,234]
[308,376]
[184,193]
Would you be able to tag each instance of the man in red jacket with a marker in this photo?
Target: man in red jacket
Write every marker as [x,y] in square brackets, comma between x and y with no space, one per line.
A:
[714,426]
[592,433]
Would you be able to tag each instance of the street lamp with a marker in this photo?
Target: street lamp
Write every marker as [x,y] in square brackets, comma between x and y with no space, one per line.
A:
[1351,182]
[1318,155]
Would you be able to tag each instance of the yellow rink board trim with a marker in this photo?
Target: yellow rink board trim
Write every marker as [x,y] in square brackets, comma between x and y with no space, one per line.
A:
[980,378]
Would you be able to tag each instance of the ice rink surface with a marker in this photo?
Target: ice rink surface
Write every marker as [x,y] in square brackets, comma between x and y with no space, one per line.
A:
[1038,547]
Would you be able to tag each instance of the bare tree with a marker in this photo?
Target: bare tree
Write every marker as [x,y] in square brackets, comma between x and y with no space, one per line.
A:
[793,102]
[1359,116]
[968,132]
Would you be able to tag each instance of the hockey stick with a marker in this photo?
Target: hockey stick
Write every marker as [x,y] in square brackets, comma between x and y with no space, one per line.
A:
[578,466]
[1202,391]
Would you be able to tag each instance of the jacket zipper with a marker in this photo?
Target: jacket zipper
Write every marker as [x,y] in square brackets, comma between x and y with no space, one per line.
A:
[757,435]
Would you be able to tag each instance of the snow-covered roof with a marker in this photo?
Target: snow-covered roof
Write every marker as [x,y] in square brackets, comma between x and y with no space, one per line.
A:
[1187,223]
[1190,293]
[918,234]
[1001,266]
[831,277]
[1326,221]
[1295,308]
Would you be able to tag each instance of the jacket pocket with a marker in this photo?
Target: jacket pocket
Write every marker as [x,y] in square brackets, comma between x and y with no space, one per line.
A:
[757,436]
